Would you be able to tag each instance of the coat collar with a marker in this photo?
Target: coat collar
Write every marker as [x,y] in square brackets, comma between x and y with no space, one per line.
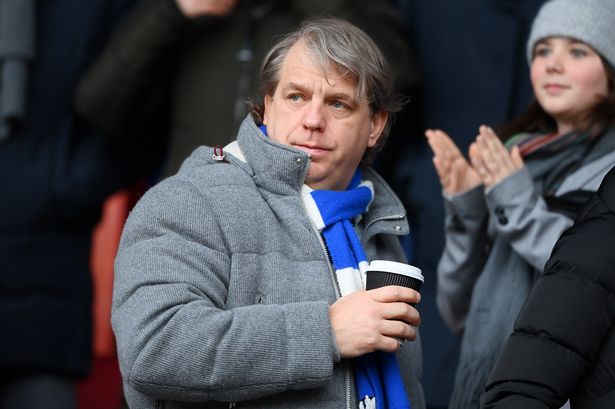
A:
[282,169]
[278,168]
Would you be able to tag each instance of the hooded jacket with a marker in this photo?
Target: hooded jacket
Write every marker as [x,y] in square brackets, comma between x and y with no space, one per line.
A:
[223,286]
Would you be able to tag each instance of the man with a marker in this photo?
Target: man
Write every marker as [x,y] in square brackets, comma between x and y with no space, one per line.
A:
[230,281]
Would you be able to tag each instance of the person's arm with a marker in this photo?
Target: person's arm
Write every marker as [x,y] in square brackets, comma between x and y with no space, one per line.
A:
[520,213]
[522,217]
[175,338]
[463,256]
[465,246]
[126,92]
[547,358]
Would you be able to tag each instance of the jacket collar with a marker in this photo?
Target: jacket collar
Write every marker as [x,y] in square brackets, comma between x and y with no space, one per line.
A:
[278,168]
[282,169]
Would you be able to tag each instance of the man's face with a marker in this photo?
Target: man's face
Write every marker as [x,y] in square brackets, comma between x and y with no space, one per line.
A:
[322,117]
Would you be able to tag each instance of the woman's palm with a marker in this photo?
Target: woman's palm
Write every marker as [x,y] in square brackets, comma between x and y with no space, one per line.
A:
[455,172]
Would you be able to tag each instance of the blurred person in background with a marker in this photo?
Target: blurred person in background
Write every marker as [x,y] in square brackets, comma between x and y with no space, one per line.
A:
[55,173]
[181,70]
[471,60]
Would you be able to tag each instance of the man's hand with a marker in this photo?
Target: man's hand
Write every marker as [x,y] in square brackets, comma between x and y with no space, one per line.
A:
[491,159]
[198,8]
[366,321]
[455,173]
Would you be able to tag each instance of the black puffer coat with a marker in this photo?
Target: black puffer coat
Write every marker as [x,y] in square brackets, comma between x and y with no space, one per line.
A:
[563,344]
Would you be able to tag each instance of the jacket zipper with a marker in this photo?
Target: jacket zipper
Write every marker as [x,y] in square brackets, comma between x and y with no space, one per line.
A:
[338,293]
[393,217]
[400,216]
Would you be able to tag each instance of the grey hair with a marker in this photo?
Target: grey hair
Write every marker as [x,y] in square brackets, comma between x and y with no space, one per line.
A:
[351,52]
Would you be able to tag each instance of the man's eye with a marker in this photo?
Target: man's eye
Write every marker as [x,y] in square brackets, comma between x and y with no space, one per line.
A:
[295,97]
[339,105]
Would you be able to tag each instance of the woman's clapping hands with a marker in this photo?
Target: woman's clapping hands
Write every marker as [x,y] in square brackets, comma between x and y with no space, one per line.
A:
[490,161]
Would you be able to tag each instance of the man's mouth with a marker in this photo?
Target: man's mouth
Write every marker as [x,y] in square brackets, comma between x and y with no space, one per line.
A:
[313,151]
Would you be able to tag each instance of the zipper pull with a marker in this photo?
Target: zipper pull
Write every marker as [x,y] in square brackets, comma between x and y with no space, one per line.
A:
[218,153]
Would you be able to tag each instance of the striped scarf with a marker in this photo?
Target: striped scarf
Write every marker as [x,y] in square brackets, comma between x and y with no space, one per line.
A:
[536,143]
[378,380]
[552,157]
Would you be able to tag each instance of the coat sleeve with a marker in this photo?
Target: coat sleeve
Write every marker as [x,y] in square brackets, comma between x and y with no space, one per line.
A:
[175,338]
[463,256]
[521,216]
[126,91]
[550,354]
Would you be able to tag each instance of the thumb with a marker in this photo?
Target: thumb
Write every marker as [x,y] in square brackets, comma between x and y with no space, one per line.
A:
[516,157]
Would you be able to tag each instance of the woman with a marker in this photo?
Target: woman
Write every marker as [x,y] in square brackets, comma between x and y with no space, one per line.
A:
[508,205]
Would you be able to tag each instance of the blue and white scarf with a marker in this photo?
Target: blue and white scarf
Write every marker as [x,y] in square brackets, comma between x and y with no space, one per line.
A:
[378,379]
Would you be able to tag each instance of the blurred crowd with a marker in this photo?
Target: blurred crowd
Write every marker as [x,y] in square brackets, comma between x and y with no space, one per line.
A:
[105,96]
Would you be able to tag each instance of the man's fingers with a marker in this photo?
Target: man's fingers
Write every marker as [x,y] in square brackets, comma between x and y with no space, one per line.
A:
[402,311]
[398,330]
[395,293]
[365,321]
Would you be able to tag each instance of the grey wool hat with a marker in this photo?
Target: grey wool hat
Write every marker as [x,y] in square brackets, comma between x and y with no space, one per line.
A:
[590,21]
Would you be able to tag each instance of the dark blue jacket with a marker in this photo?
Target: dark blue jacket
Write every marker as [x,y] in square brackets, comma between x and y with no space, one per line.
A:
[54,176]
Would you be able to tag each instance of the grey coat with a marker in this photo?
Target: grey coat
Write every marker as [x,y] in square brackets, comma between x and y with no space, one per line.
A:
[514,211]
[223,287]
[497,243]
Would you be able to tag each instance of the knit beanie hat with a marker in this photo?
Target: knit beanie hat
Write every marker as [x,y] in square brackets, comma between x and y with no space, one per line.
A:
[590,21]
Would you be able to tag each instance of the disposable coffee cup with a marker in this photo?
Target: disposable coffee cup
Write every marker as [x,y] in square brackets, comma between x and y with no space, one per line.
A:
[383,272]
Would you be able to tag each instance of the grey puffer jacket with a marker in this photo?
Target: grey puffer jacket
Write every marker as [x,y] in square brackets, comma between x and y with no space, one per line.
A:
[222,287]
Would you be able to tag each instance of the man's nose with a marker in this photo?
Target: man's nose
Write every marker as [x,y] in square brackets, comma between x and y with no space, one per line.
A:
[314,116]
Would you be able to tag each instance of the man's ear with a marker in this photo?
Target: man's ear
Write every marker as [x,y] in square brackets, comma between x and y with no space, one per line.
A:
[379,120]
[268,100]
